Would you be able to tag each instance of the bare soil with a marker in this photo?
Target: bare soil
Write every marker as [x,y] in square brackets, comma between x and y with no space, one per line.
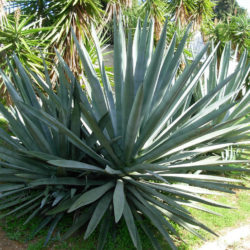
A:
[7,244]
[240,245]
[231,239]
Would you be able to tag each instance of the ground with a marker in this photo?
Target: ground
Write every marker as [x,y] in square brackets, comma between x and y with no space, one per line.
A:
[7,244]
[231,239]
[242,245]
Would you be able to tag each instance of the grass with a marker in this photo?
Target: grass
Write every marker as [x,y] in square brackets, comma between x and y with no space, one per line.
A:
[230,218]
[15,229]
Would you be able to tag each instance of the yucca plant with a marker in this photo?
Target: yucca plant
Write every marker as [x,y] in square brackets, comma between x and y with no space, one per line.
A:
[235,29]
[19,34]
[106,154]
[61,15]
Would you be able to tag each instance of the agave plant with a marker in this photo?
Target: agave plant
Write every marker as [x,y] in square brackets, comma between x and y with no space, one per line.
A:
[236,89]
[236,86]
[129,153]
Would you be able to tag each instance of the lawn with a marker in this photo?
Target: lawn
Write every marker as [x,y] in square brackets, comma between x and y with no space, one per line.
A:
[230,218]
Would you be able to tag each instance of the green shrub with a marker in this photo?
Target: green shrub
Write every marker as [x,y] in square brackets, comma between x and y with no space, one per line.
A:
[105,154]
[235,29]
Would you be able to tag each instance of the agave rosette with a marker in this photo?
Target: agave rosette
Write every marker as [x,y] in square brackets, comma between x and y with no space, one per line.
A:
[131,152]
[236,90]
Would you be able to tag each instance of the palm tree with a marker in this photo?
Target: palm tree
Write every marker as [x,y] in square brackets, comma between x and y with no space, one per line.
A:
[203,12]
[156,9]
[182,10]
[113,6]
[62,16]
[191,10]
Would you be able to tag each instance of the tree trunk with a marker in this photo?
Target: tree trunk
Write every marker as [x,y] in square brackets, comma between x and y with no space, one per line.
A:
[158,29]
[127,3]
